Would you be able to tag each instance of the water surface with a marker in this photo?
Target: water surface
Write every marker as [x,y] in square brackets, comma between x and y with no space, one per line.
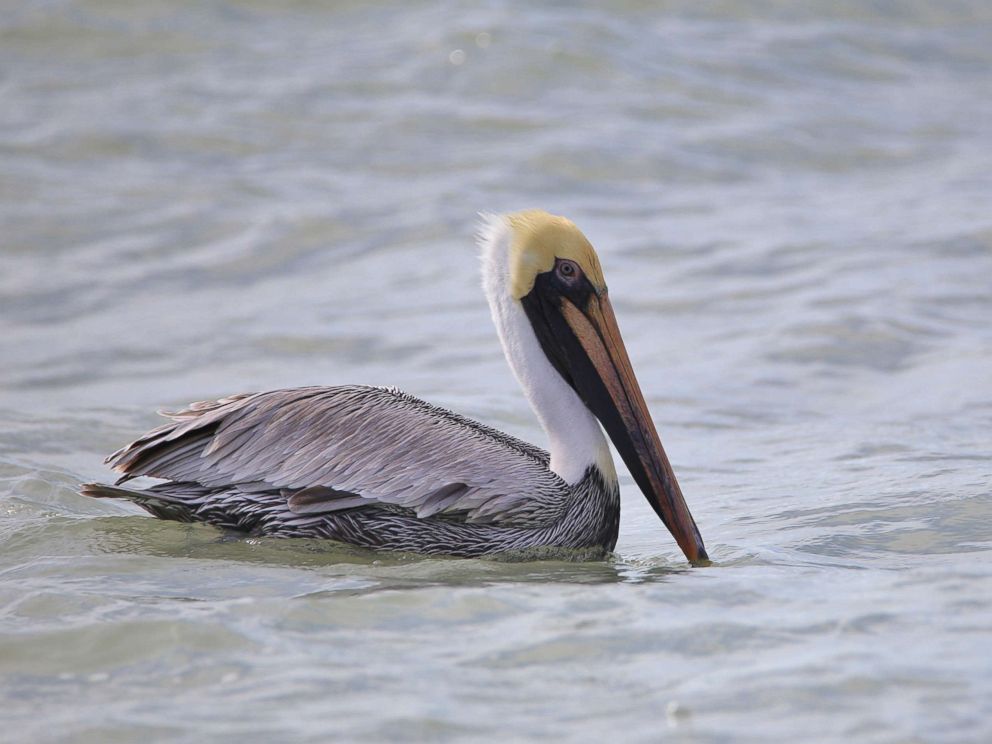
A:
[791,203]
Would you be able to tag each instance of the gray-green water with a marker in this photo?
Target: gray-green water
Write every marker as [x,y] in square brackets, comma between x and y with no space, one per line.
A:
[792,204]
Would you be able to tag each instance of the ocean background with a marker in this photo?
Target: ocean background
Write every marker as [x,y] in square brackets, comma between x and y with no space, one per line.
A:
[791,202]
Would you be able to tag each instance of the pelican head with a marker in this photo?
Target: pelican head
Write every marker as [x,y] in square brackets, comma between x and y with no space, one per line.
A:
[549,299]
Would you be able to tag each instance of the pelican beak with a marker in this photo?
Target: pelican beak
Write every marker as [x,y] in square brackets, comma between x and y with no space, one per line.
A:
[580,335]
[615,399]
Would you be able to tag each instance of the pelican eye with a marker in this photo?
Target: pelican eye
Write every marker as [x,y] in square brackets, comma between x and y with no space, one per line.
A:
[567,269]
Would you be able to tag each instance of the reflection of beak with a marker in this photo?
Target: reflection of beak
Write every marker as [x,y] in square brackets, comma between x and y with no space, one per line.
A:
[609,388]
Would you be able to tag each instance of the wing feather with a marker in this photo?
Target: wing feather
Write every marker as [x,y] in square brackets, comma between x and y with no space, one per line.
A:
[333,448]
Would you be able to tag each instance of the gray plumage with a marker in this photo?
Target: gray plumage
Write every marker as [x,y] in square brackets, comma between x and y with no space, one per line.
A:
[372,467]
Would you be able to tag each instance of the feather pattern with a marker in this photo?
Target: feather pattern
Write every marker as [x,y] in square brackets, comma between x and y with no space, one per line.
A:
[590,521]
[347,446]
[369,466]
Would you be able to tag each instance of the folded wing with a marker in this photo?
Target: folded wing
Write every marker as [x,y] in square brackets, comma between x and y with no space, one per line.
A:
[334,448]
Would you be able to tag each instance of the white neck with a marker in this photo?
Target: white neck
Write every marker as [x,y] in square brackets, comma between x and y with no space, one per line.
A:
[575,438]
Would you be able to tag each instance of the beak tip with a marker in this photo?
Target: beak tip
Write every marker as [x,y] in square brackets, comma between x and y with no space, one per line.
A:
[696,552]
[702,560]
[687,536]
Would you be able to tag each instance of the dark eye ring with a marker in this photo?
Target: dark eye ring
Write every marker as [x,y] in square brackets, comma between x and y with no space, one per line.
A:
[567,269]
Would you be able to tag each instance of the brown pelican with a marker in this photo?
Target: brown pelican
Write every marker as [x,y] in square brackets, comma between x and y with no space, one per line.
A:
[378,468]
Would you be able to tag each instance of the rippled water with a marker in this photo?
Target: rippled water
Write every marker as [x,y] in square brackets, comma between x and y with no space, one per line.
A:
[792,206]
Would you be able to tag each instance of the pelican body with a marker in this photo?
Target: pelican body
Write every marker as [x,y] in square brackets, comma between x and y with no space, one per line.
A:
[380,469]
